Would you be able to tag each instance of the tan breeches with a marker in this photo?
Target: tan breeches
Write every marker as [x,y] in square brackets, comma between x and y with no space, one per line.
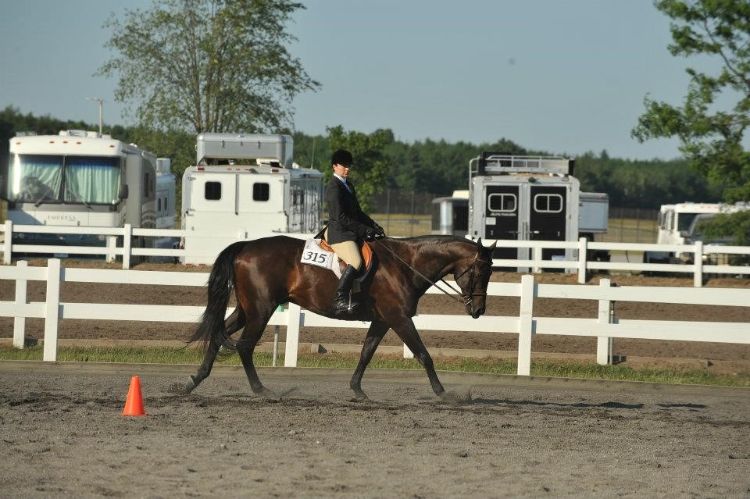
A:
[347,251]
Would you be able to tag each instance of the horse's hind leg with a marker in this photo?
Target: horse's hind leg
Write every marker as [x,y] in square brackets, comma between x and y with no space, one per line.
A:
[408,333]
[372,340]
[246,347]
[232,324]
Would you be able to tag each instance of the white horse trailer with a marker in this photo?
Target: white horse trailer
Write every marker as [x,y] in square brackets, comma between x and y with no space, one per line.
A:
[244,187]
[532,198]
[80,178]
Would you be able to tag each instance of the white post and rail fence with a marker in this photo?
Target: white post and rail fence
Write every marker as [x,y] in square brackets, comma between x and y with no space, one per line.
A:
[119,243]
[604,327]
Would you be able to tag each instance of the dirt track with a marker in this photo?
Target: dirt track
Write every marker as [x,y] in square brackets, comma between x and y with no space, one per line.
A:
[62,435]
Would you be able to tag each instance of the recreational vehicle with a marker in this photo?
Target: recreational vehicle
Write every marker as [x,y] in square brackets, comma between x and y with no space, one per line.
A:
[82,178]
[245,187]
[532,198]
[680,224]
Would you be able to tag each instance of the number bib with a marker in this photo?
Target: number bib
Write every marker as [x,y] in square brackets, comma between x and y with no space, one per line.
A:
[313,254]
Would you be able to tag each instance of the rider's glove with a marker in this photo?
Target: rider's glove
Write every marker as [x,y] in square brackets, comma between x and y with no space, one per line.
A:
[370,235]
[379,230]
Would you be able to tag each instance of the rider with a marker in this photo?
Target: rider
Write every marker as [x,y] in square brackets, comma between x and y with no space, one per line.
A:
[347,226]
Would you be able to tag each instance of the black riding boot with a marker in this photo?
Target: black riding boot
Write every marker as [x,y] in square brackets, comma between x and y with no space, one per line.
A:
[341,300]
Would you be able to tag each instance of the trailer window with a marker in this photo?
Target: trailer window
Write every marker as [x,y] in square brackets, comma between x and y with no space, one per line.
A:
[261,191]
[212,191]
[548,203]
[502,202]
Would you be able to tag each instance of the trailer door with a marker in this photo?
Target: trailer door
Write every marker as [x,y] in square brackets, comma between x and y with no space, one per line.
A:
[547,218]
[501,216]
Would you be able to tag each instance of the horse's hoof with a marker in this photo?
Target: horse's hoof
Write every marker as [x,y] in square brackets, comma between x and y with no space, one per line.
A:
[359,397]
[182,388]
[455,398]
[267,395]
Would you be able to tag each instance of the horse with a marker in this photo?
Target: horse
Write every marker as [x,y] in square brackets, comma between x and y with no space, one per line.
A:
[267,272]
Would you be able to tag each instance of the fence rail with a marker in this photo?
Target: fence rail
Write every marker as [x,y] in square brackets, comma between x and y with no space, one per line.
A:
[119,243]
[604,327]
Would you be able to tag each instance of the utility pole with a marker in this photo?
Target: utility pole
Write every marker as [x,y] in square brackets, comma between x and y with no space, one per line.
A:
[100,101]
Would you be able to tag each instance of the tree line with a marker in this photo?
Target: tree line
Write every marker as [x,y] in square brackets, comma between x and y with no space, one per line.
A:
[429,166]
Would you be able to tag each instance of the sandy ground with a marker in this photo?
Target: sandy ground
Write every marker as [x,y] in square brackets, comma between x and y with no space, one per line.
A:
[63,435]
[715,357]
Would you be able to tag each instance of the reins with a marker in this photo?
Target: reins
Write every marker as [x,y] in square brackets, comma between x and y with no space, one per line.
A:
[465,301]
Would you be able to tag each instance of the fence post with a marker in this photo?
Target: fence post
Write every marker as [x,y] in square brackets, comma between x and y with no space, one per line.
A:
[536,255]
[293,323]
[111,245]
[604,343]
[698,264]
[19,321]
[8,242]
[52,310]
[127,242]
[583,247]
[525,325]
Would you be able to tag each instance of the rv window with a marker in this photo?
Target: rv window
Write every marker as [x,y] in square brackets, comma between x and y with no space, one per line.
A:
[503,202]
[213,191]
[261,191]
[548,203]
[158,208]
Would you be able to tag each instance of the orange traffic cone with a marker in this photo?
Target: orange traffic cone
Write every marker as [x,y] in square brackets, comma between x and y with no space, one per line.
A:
[134,402]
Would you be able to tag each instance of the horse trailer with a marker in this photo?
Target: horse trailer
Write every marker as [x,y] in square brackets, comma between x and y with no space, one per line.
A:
[531,198]
[82,178]
[244,187]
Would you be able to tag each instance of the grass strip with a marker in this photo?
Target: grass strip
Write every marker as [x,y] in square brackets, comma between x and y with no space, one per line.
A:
[540,367]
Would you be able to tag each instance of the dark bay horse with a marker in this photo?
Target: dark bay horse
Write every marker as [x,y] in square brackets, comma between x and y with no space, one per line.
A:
[267,272]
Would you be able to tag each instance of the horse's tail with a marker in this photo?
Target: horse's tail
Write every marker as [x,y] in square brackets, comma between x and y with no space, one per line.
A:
[220,284]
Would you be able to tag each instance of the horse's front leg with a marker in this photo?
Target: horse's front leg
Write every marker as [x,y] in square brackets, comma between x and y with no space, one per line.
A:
[372,340]
[405,330]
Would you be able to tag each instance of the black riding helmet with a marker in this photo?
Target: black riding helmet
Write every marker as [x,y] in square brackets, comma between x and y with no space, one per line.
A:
[341,157]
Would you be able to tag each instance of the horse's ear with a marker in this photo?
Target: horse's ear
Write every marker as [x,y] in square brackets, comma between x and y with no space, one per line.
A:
[493,246]
[479,241]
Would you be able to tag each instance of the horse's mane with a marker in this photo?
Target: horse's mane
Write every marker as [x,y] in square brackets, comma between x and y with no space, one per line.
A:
[432,239]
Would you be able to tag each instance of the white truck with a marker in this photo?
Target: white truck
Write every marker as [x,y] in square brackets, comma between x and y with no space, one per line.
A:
[245,186]
[680,223]
[532,198]
[82,178]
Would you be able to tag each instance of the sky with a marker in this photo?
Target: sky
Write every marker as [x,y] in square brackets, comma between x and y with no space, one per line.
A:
[562,76]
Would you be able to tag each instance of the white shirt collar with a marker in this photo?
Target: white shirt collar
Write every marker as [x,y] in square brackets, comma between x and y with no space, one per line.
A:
[340,178]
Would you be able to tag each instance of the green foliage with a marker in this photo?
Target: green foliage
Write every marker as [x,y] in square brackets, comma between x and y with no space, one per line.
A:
[643,183]
[207,65]
[732,229]
[711,133]
[370,168]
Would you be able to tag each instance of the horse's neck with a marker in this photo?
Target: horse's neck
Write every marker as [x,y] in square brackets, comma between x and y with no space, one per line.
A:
[436,262]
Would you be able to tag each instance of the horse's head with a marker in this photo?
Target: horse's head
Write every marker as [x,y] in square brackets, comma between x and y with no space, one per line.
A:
[472,275]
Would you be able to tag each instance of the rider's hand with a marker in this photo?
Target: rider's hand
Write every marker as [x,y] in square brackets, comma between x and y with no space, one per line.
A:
[370,235]
[379,230]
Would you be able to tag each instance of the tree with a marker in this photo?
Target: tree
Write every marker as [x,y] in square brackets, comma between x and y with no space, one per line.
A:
[207,65]
[370,169]
[711,135]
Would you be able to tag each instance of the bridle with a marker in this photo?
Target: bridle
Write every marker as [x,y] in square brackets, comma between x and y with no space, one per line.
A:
[467,298]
